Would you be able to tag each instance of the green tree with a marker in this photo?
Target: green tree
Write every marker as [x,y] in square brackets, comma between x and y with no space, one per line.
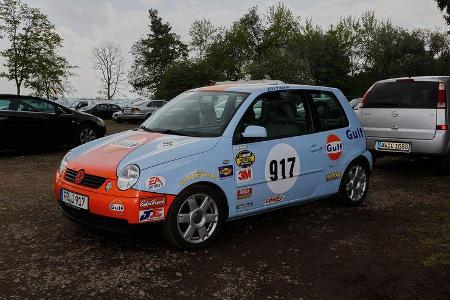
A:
[33,46]
[234,50]
[153,54]
[202,33]
[185,75]
[444,6]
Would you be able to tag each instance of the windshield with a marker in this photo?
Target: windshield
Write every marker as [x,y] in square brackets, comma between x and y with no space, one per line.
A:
[200,113]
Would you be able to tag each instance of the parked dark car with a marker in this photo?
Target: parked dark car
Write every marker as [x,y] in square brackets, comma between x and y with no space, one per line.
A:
[79,104]
[31,121]
[102,110]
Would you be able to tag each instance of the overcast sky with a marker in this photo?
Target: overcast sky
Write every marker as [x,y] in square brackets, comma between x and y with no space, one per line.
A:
[85,23]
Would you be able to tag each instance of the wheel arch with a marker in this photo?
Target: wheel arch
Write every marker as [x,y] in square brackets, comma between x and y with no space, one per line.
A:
[217,188]
[364,160]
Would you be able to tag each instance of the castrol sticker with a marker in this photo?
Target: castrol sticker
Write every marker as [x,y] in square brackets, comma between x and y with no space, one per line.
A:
[334,147]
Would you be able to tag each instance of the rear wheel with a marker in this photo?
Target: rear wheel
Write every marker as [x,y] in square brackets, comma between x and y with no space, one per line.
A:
[354,184]
[195,218]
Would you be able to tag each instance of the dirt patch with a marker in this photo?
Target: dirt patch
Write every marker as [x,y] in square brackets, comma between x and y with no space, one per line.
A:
[394,246]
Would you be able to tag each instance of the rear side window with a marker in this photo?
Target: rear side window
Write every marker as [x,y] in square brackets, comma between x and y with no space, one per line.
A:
[403,94]
[5,104]
[328,111]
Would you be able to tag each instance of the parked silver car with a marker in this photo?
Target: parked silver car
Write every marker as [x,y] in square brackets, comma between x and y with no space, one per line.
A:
[139,110]
[407,115]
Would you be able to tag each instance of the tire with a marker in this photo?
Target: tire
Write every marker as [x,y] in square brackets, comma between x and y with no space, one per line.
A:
[188,226]
[353,193]
[85,133]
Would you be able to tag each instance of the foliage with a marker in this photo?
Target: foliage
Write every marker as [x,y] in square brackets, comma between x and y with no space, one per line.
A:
[32,59]
[153,54]
[444,6]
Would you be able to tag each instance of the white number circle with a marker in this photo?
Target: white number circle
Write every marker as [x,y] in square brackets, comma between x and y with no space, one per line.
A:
[282,168]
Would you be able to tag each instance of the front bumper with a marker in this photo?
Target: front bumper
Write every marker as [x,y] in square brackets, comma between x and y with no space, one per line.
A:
[100,203]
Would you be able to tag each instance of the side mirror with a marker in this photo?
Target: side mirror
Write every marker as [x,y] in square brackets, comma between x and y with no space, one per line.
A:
[254,132]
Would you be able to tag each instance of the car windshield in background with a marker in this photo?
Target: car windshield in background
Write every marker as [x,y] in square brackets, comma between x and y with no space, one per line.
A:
[199,113]
[403,94]
[138,103]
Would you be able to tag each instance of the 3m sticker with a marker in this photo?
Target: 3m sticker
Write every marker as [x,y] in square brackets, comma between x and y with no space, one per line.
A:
[245,159]
[334,147]
[282,168]
[244,175]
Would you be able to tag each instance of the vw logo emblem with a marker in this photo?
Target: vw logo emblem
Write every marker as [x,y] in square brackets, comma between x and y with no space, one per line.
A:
[80,176]
[394,114]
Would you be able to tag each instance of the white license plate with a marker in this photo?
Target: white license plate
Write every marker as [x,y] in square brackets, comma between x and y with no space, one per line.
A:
[75,200]
[393,146]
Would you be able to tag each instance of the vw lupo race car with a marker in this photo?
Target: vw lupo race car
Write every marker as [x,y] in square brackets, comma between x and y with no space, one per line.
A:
[193,167]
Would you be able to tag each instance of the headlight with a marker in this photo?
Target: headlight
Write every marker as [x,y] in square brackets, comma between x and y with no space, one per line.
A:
[64,161]
[128,177]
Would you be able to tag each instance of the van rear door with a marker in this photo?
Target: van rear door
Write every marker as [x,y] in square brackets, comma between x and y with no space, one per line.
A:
[403,109]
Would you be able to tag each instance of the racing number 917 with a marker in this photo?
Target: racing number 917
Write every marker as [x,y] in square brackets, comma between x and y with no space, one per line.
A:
[274,170]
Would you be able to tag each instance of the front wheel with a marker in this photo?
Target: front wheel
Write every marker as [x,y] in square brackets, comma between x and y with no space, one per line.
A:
[85,134]
[195,218]
[354,184]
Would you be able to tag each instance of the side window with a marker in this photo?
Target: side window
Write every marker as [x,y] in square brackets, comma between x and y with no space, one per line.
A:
[35,105]
[6,104]
[328,111]
[282,114]
[101,107]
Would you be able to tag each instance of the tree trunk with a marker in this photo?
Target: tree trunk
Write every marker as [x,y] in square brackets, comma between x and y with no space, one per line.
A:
[18,86]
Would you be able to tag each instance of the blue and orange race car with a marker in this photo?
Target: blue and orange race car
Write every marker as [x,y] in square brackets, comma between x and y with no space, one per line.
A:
[219,153]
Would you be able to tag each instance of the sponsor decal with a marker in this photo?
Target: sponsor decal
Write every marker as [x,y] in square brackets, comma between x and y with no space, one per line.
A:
[146,203]
[126,143]
[197,175]
[225,162]
[80,176]
[167,144]
[225,171]
[282,168]
[241,147]
[277,88]
[274,199]
[244,206]
[244,175]
[117,207]
[245,159]
[155,183]
[355,134]
[150,215]
[244,193]
[334,176]
[334,147]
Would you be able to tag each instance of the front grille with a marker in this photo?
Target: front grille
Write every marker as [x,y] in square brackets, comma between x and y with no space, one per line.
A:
[90,181]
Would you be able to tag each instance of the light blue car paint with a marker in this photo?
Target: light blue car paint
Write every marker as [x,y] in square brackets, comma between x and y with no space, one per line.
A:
[184,161]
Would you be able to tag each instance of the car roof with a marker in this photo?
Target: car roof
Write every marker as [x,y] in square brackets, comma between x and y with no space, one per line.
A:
[253,87]
[420,78]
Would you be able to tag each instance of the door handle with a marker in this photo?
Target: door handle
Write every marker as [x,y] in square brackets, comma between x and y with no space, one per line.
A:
[315,148]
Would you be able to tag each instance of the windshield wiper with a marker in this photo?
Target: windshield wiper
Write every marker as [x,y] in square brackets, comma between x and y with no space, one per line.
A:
[165,131]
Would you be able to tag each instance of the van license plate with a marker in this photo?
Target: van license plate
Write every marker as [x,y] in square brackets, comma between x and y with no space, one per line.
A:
[393,146]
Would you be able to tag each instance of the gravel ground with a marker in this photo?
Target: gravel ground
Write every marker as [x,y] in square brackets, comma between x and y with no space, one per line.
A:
[397,245]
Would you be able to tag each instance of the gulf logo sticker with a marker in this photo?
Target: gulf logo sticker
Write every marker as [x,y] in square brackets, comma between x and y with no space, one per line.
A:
[334,147]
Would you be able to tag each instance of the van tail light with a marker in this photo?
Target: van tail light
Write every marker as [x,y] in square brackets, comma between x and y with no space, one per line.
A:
[364,99]
[441,96]
[442,127]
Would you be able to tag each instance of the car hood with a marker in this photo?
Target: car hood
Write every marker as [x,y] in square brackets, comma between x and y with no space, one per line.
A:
[109,155]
